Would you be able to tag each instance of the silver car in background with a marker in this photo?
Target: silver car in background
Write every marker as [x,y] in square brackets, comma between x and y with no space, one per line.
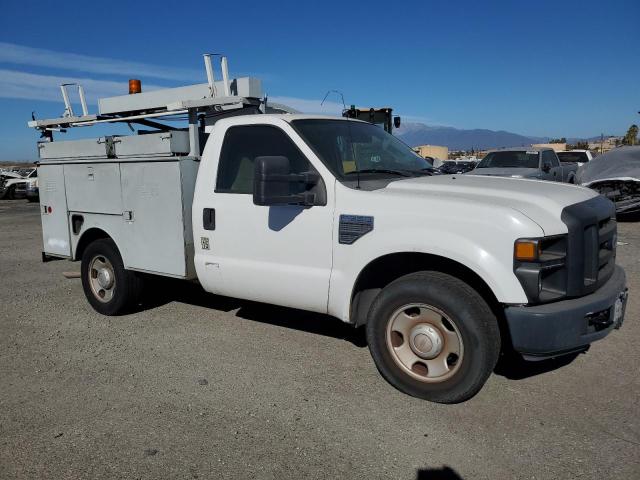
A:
[534,163]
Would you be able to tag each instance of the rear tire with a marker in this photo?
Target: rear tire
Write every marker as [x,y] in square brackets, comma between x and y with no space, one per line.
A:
[11,193]
[434,337]
[108,286]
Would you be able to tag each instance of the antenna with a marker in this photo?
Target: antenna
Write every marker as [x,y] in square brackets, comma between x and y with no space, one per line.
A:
[353,152]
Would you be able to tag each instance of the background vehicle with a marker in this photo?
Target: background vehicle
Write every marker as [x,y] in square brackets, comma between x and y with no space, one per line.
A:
[542,164]
[15,185]
[5,176]
[378,116]
[616,175]
[580,157]
[453,167]
[332,215]
[32,190]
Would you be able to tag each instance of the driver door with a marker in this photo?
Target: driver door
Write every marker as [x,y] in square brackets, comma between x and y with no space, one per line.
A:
[273,254]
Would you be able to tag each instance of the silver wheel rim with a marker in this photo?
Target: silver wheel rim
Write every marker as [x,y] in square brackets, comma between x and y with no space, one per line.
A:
[102,278]
[424,342]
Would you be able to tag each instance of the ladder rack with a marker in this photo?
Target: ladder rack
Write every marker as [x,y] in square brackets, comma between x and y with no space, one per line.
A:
[198,101]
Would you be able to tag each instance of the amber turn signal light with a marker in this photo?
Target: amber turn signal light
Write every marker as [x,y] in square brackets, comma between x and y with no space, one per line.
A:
[135,86]
[526,250]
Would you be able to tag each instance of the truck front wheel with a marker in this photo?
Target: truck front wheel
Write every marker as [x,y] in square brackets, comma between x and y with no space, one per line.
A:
[432,336]
[108,286]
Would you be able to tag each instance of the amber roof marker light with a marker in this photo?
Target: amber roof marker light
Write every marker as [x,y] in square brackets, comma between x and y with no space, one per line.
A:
[135,86]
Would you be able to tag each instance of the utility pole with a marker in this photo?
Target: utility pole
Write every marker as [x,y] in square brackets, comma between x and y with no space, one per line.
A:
[601,143]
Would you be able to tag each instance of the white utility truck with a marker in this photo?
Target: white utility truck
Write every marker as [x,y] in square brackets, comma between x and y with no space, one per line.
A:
[330,215]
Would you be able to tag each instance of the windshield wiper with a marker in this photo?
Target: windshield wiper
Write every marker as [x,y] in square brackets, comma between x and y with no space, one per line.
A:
[381,170]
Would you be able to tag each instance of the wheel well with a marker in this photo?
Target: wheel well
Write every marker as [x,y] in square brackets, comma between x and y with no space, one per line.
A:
[384,270]
[87,238]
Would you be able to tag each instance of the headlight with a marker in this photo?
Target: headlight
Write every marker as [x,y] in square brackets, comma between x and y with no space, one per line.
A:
[517,176]
[540,265]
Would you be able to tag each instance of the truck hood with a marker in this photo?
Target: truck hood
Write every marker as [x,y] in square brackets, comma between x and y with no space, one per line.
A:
[541,201]
[506,172]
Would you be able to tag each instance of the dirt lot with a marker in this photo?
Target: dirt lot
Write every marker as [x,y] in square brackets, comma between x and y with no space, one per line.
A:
[197,386]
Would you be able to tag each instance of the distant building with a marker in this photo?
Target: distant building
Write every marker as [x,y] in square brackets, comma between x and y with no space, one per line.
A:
[433,151]
[605,145]
[558,147]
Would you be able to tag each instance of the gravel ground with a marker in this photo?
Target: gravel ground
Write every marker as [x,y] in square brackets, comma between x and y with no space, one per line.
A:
[197,386]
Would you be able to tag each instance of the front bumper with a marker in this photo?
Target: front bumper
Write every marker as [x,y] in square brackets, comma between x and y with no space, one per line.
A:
[567,326]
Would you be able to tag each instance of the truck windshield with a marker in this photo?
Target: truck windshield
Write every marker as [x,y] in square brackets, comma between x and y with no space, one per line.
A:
[346,146]
[513,159]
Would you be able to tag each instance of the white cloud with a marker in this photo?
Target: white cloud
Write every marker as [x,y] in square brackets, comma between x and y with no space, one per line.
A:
[31,86]
[39,57]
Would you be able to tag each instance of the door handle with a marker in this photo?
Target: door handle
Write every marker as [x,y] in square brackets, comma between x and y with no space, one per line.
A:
[209,218]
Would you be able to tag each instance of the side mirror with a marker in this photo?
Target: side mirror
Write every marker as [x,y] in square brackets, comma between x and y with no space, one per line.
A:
[396,122]
[274,184]
[546,168]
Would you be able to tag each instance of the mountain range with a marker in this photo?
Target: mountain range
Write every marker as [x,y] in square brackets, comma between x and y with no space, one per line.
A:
[415,134]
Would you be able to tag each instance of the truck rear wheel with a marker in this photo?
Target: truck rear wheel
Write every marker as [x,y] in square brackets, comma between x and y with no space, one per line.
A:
[108,286]
[432,336]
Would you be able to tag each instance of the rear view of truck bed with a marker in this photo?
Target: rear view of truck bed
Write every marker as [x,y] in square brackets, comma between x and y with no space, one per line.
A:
[137,189]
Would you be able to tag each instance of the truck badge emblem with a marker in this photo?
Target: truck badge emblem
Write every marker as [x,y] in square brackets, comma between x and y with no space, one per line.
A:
[204,241]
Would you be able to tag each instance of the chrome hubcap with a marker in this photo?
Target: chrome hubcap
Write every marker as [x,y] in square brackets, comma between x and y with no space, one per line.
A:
[425,342]
[102,278]
[105,278]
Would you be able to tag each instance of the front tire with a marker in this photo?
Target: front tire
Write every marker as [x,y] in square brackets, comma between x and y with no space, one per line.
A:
[432,336]
[108,286]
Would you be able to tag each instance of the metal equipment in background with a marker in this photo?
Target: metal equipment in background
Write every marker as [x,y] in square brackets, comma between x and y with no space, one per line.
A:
[378,116]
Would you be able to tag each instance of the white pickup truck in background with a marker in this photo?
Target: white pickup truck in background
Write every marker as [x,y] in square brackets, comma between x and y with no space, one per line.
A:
[15,184]
[336,216]
[579,157]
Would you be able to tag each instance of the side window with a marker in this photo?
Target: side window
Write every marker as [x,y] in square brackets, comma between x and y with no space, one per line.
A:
[240,148]
[550,158]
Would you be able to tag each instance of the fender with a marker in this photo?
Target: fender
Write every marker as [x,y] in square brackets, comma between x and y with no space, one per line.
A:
[492,266]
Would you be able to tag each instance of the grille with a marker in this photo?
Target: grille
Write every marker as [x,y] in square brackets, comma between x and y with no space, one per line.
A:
[607,239]
[591,247]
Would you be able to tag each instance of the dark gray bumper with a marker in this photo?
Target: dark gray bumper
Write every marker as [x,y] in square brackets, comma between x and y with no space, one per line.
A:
[569,325]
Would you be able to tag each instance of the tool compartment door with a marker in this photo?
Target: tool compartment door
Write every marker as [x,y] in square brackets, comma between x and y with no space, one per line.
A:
[93,188]
[153,220]
[53,210]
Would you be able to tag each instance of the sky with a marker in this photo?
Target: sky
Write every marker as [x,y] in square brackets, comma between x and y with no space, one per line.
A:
[538,68]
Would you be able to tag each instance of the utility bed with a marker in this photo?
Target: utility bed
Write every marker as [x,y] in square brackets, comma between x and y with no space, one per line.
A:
[138,188]
[141,187]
